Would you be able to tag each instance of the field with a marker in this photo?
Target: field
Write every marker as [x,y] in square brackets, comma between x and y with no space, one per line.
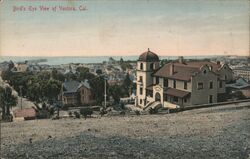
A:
[218,132]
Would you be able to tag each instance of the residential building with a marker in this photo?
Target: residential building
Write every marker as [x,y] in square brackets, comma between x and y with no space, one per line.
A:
[180,83]
[21,67]
[240,85]
[243,72]
[76,93]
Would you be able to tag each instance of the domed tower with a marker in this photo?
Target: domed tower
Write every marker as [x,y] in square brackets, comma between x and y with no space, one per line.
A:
[147,63]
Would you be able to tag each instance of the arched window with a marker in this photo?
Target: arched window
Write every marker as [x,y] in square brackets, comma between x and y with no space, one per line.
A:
[152,66]
[141,66]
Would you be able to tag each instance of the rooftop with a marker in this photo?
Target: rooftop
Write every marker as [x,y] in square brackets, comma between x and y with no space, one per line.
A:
[148,56]
[184,70]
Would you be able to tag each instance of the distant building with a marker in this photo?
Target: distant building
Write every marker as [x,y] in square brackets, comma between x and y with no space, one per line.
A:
[20,67]
[243,72]
[180,83]
[76,93]
[240,85]
[24,114]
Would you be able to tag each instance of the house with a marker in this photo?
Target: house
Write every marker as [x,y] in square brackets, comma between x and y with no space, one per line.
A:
[75,93]
[179,83]
[21,67]
[24,114]
[240,85]
[243,72]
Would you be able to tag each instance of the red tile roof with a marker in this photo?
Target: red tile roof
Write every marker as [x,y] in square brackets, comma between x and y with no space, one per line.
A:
[176,92]
[27,112]
[183,71]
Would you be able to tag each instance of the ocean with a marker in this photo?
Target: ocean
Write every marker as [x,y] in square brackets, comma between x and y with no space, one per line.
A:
[84,59]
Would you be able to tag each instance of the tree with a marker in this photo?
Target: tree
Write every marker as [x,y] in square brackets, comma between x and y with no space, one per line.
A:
[116,92]
[97,84]
[99,72]
[127,84]
[121,60]
[126,65]
[7,101]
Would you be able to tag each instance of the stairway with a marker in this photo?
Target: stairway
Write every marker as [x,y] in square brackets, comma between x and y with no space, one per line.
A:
[153,105]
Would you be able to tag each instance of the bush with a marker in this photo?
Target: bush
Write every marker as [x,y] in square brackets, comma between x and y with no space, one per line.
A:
[86,111]
[103,111]
[137,112]
[70,114]
[77,115]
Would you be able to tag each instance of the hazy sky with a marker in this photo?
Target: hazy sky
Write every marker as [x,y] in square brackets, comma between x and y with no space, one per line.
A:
[119,27]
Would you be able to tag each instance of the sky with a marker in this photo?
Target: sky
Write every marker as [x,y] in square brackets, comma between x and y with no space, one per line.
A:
[121,28]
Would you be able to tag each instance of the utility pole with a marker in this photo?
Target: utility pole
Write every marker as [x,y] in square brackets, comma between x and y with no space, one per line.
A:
[105,93]
[20,87]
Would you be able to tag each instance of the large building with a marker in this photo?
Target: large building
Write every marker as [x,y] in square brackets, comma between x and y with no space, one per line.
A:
[74,93]
[179,83]
[243,72]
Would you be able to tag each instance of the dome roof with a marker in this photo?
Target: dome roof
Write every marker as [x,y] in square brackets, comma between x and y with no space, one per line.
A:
[148,57]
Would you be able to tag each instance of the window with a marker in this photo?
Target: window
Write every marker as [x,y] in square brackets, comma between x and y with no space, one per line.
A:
[211,85]
[174,84]
[200,85]
[141,66]
[152,66]
[185,100]
[141,91]
[165,83]
[185,85]
[175,99]
[225,77]
[210,99]
[166,98]
[140,101]
[220,84]
[140,80]
[156,80]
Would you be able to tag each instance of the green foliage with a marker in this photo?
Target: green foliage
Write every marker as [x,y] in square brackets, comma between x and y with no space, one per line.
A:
[117,92]
[57,75]
[125,65]
[77,114]
[99,72]
[7,100]
[35,86]
[86,111]
[127,85]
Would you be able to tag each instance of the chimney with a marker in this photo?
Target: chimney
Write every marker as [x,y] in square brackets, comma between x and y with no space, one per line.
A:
[181,59]
[171,68]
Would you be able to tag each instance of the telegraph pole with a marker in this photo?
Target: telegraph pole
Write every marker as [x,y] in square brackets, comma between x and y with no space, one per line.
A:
[105,93]
[20,87]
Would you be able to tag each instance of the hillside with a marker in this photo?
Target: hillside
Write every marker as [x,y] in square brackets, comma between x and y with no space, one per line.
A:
[219,132]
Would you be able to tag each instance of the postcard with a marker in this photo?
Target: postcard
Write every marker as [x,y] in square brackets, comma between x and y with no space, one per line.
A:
[124,79]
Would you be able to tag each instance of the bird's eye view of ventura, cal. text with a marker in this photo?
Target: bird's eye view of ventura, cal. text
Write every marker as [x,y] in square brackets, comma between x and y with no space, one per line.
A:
[124,79]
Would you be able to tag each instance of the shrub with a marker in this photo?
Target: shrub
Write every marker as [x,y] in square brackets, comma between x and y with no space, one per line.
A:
[137,112]
[86,111]
[70,114]
[77,115]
